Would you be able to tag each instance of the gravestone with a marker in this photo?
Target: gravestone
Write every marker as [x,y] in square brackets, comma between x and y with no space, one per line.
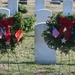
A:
[42,15]
[5,11]
[67,7]
[39,4]
[43,54]
[13,6]
[55,2]
[61,0]
[23,1]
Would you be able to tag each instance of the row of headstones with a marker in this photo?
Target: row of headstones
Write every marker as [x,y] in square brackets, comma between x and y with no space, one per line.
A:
[12,8]
[40,4]
[43,54]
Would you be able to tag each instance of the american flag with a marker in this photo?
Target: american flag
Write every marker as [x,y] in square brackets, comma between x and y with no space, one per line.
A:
[18,35]
[55,32]
[1,33]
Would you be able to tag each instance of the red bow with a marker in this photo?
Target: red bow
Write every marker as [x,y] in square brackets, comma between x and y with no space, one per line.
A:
[65,24]
[6,22]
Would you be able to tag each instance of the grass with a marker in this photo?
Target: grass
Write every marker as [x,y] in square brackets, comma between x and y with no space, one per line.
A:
[22,59]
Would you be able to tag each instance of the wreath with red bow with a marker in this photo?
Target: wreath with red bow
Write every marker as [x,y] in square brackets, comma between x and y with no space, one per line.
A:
[60,32]
[10,32]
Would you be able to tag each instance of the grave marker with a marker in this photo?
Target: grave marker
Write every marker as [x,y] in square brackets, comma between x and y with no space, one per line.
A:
[43,54]
[67,7]
[13,6]
[42,15]
[39,4]
[23,1]
[55,1]
[5,11]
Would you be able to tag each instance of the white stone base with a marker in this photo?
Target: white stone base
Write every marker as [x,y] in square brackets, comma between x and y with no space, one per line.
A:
[43,54]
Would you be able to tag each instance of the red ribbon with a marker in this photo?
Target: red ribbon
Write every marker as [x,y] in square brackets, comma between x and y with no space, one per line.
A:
[65,24]
[6,22]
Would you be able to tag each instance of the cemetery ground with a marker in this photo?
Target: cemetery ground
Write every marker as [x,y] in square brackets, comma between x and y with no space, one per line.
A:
[21,62]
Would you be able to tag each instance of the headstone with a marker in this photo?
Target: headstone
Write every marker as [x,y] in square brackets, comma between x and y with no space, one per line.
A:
[43,54]
[67,7]
[61,0]
[43,15]
[13,6]
[5,11]
[55,1]
[39,4]
[23,1]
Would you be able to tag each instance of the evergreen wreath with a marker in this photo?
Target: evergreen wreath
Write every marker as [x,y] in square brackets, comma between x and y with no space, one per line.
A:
[60,32]
[11,29]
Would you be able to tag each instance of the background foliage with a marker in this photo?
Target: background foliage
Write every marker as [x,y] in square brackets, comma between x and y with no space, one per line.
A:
[28,23]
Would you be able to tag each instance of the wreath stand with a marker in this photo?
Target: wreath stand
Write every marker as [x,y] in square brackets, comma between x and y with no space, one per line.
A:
[17,62]
[16,58]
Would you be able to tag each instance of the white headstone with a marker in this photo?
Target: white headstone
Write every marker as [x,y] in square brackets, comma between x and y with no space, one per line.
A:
[61,0]
[67,7]
[43,54]
[13,6]
[43,15]
[55,1]
[39,4]
[5,11]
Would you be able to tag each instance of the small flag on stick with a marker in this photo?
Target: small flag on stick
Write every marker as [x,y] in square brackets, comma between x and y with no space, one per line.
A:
[55,32]
[18,35]
[1,33]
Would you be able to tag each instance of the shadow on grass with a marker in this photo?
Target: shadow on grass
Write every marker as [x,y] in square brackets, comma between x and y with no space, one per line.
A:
[1,74]
[29,35]
[6,62]
[31,63]
[4,2]
[65,64]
